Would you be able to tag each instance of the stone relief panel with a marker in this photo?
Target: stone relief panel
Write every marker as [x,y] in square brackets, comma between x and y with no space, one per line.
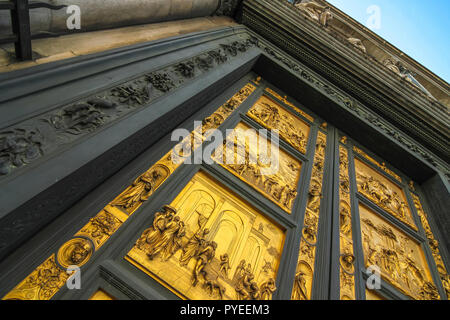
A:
[291,129]
[210,244]
[383,192]
[400,258]
[280,186]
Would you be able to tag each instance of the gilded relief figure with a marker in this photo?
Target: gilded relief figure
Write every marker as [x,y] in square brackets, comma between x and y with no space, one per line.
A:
[141,189]
[383,192]
[194,254]
[225,264]
[279,186]
[193,246]
[401,260]
[205,256]
[300,291]
[274,117]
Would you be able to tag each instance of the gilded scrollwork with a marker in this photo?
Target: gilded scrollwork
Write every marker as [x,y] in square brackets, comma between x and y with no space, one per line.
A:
[434,245]
[401,259]
[383,192]
[272,116]
[208,244]
[305,263]
[347,258]
[102,226]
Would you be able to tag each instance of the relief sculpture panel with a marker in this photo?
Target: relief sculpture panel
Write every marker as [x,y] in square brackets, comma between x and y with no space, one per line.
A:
[209,244]
[274,117]
[383,192]
[250,164]
[401,259]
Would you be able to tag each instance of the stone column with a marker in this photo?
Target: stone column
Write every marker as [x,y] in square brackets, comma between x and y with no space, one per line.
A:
[104,14]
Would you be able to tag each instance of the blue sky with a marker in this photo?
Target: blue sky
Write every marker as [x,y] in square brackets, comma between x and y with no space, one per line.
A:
[420,28]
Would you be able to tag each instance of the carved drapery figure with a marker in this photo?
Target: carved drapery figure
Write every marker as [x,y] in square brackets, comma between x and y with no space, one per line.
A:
[300,291]
[155,238]
[314,198]
[225,264]
[139,191]
[205,256]
[316,11]
[193,246]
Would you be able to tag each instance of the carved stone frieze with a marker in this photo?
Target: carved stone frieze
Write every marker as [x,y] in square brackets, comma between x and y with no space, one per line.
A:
[42,136]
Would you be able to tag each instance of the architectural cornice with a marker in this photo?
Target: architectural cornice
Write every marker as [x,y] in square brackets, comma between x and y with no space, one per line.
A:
[375,87]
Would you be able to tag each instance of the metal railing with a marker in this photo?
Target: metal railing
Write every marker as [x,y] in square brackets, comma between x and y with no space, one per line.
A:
[20,22]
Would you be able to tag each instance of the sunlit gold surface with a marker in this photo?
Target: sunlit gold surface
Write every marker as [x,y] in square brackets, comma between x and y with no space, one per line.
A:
[401,259]
[383,192]
[372,295]
[382,166]
[347,258]
[273,116]
[305,263]
[290,104]
[101,295]
[210,244]
[434,245]
[280,187]
[102,226]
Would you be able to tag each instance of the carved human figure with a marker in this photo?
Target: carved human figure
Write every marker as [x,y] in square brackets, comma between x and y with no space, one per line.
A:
[193,246]
[345,221]
[205,256]
[79,253]
[300,291]
[214,286]
[314,198]
[225,264]
[139,191]
[174,243]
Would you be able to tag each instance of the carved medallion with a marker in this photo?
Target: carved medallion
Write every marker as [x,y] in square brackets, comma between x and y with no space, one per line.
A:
[76,252]
[209,244]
